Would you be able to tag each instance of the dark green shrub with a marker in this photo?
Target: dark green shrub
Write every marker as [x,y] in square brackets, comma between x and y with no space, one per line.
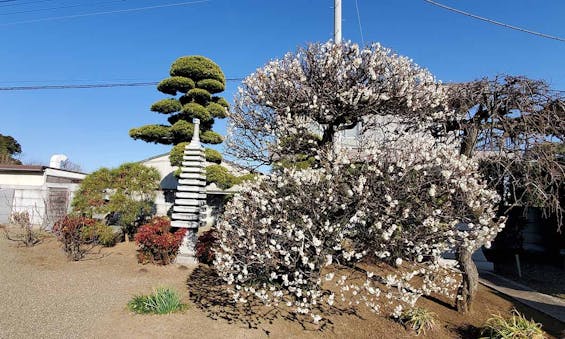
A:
[221,101]
[162,301]
[211,85]
[212,155]
[152,133]
[176,154]
[195,110]
[199,95]
[217,110]
[219,175]
[197,68]
[166,106]
[182,130]
[175,84]
[100,234]
[211,137]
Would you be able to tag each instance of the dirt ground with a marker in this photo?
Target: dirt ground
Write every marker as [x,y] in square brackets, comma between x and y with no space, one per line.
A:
[44,295]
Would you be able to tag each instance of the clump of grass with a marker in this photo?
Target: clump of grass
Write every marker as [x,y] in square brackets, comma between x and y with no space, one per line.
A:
[419,319]
[162,301]
[516,327]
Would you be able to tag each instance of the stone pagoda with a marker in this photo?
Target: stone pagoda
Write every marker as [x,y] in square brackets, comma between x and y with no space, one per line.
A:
[189,209]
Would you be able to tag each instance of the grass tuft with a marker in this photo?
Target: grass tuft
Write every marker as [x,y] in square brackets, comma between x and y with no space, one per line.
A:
[162,301]
[516,327]
[419,319]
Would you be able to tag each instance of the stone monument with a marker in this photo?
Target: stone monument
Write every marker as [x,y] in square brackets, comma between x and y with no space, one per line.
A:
[189,209]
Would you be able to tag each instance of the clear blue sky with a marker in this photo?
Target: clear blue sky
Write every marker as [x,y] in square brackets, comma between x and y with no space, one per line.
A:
[91,126]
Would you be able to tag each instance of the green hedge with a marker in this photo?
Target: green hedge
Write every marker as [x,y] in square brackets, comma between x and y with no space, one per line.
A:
[166,106]
[197,68]
[175,84]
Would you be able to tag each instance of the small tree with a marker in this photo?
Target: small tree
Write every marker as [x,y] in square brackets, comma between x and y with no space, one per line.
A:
[126,192]
[9,147]
[196,79]
[399,205]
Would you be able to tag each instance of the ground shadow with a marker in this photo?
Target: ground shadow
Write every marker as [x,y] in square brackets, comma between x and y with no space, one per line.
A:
[209,293]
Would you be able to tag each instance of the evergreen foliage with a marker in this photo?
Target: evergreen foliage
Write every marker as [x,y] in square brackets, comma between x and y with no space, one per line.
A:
[192,81]
[8,148]
[126,193]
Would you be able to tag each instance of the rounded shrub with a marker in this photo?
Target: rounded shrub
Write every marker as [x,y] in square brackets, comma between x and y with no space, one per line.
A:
[182,130]
[219,175]
[199,95]
[216,110]
[212,155]
[176,154]
[166,106]
[221,101]
[211,85]
[156,243]
[175,84]
[211,137]
[195,110]
[197,68]
[152,133]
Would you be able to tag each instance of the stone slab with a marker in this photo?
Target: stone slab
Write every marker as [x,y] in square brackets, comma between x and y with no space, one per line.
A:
[197,164]
[189,202]
[190,195]
[191,182]
[185,224]
[185,216]
[187,209]
[188,177]
[199,170]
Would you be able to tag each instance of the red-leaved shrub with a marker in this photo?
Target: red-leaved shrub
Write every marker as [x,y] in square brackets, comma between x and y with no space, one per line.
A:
[205,246]
[157,244]
[70,230]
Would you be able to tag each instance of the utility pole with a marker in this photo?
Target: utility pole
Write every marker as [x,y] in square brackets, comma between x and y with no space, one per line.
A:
[337,21]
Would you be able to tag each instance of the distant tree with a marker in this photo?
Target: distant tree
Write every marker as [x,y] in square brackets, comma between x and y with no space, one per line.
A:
[70,166]
[195,79]
[9,147]
[126,193]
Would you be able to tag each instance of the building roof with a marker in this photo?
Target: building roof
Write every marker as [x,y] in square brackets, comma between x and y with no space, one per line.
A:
[32,168]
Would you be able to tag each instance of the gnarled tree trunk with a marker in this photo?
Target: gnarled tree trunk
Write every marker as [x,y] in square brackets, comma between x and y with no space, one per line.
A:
[470,280]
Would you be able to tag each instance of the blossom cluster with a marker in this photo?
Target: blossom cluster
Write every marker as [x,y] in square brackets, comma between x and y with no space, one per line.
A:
[332,87]
[402,205]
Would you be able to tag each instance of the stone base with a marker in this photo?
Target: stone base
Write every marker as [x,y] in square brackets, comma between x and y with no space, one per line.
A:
[187,250]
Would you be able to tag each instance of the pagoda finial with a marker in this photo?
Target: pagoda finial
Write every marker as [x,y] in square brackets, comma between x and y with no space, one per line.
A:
[195,142]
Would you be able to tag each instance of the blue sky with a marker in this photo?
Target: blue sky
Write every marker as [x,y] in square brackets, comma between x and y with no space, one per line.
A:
[91,126]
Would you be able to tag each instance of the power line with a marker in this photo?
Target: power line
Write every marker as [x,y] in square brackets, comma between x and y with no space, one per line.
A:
[104,13]
[60,7]
[359,21]
[84,86]
[543,35]
[23,3]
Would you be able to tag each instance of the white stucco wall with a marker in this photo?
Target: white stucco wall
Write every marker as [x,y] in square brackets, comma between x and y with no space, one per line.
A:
[22,179]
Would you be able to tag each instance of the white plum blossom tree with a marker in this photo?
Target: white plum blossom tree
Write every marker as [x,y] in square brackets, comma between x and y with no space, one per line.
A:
[288,236]
[327,88]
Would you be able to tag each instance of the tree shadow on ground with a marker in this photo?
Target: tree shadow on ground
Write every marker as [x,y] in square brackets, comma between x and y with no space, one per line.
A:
[209,293]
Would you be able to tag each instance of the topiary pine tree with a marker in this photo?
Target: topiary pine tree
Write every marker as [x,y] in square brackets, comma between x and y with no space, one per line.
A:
[195,79]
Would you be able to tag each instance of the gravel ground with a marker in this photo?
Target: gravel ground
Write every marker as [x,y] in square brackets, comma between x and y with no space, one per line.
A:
[44,295]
